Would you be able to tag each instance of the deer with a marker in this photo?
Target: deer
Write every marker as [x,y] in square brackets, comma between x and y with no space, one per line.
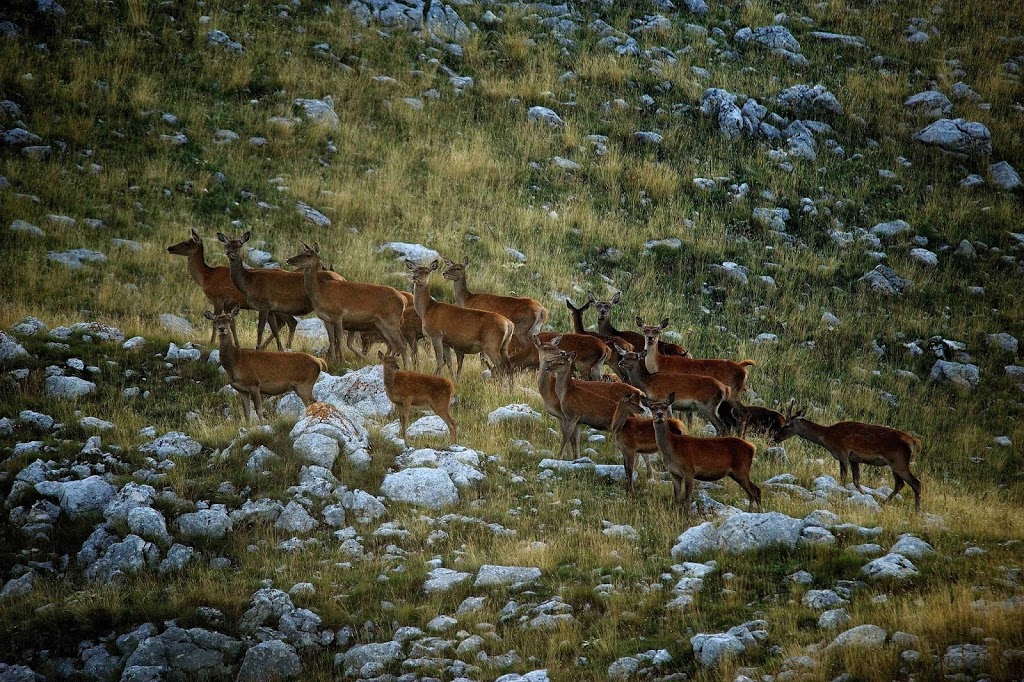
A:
[609,340]
[732,374]
[704,459]
[407,390]
[255,373]
[269,290]
[693,392]
[527,314]
[337,302]
[588,402]
[591,353]
[215,281]
[605,326]
[634,434]
[464,330]
[412,331]
[755,419]
[855,443]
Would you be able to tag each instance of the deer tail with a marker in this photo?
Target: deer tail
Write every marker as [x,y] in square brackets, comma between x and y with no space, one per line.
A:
[747,363]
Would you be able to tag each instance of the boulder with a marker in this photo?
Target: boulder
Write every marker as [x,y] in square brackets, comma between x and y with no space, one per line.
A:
[295,519]
[312,215]
[746,532]
[912,547]
[172,444]
[176,325]
[149,524]
[130,555]
[10,349]
[714,649]
[884,280]
[316,448]
[1004,176]
[505,576]
[341,426]
[809,101]
[834,619]
[68,388]
[211,524]
[181,654]
[414,252]
[890,567]
[544,115]
[862,636]
[358,394]
[517,412]
[696,540]
[957,136]
[80,499]
[444,579]
[965,658]
[930,103]
[420,486]
[319,111]
[381,653]
[961,375]
[772,37]
[269,661]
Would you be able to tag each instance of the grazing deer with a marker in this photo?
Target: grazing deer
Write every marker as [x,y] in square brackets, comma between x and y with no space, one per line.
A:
[732,374]
[527,314]
[215,281]
[464,330]
[341,302]
[269,290]
[255,373]
[703,459]
[591,353]
[693,392]
[588,402]
[856,443]
[635,435]
[407,390]
[605,326]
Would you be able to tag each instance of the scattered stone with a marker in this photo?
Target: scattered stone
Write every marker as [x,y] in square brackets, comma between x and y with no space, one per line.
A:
[807,100]
[961,375]
[172,444]
[834,619]
[862,636]
[320,111]
[957,136]
[505,576]
[210,524]
[544,115]
[420,486]
[444,579]
[76,259]
[269,661]
[884,280]
[518,412]
[312,215]
[890,567]
[930,103]
[1004,176]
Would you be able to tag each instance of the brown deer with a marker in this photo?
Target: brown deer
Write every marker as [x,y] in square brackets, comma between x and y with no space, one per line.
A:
[704,459]
[856,443]
[755,419]
[605,326]
[269,290]
[255,373]
[693,392]
[527,314]
[340,302]
[592,403]
[215,281]
[635,435]
[610,341]
[591,353]
[412,331]
[464,330]
[732,374]
[407,390]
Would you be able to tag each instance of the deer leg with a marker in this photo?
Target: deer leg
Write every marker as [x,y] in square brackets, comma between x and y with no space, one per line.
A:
[855,468]
[689,421]
[293,324]
[330,339]
[350,341]
[403,418]
[628,461]
[339,330]
[688,501]
[246,404]
[844,465]
[438,353]
[460,357]
[260,326]
[275,330]
[897,486]
[443,412]
[257,401]
[677,492]
[234,334]
[305,393]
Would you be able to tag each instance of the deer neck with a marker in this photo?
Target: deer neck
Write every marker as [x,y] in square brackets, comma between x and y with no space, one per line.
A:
[637,376]
[562,385]
[577,321]
[422,299]
[661,435]
[653,360]
[816,433]
[228,354]
[240,275]
[462,292]
[389,379]
[606,327]
[197,266]
[312,283]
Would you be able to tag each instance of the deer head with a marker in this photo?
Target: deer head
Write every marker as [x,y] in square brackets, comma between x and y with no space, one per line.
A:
[604,308]
[233,247]
[309,257]
[455,271]
[187,247]
[651,331]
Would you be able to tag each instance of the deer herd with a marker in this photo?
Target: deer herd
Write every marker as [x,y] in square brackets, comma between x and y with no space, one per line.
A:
[647,373]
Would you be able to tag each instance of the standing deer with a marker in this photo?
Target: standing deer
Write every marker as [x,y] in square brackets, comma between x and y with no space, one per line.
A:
[341,302]
[856,443]
[527,314]
[407,390]
[592,403]
[609,340]
[215,281]
[255,373]
[732,374]
[693,392]
[634,434]
[605,326]
[412,331]
[269,290]
[702,459]
[464,330]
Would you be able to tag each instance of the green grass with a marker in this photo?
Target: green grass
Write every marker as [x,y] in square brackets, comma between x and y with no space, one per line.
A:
[457,177]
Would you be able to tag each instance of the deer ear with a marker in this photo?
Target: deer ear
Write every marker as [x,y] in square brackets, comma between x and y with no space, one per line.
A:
[671,398]
[536,340]
[246,236]
[664,323]
[449,262]
[642,354]
[223,238]
[409,264]
[617,297]
[207,314]
[235,311]
[568,304]
[639,322]
[465,260]
[196,237]
[571,356]
[380,356]
[435,265]
[556,340]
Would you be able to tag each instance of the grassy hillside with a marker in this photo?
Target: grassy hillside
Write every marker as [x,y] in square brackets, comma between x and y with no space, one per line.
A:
[462,170]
